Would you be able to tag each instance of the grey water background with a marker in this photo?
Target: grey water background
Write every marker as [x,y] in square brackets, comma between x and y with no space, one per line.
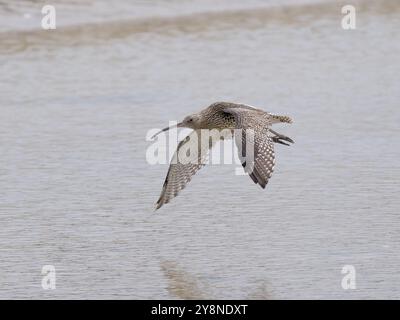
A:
[77,192]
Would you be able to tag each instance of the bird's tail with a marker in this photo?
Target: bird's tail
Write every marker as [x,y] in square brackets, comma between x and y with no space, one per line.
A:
[276,118]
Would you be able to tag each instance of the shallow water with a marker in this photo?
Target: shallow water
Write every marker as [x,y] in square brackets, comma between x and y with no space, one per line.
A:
[77,192]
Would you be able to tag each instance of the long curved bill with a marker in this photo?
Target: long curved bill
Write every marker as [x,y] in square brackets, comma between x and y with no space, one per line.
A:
[167,128]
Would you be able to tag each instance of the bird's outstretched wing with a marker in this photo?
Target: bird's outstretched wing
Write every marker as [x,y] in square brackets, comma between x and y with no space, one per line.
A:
[255,146]
[185,164]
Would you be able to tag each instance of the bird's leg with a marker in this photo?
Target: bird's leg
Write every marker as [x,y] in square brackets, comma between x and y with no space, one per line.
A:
[277,138]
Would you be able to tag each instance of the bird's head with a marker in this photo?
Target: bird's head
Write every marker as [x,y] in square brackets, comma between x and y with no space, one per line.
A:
[192,121]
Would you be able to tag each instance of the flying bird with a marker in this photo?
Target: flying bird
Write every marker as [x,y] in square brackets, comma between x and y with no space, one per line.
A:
[252,131]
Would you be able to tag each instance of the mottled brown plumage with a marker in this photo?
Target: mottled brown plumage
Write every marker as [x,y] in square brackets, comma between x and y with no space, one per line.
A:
[252,131]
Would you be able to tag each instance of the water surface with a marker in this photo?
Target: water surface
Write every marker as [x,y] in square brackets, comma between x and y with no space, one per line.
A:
[77,192]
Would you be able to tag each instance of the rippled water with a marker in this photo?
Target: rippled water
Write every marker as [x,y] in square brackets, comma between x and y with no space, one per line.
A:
[77,192]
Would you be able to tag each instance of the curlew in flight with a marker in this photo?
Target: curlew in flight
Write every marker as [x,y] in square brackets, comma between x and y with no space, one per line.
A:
[231,118]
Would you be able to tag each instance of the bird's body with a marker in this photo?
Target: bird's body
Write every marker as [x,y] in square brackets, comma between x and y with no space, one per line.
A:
[251,128]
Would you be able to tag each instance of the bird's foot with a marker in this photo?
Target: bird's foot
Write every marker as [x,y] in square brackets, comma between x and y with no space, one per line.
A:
[280,138]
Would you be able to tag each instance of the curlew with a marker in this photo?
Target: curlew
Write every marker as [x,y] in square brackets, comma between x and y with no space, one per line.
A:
[251,128]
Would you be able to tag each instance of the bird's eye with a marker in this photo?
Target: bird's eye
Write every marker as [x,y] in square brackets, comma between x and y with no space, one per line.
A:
[190,120]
